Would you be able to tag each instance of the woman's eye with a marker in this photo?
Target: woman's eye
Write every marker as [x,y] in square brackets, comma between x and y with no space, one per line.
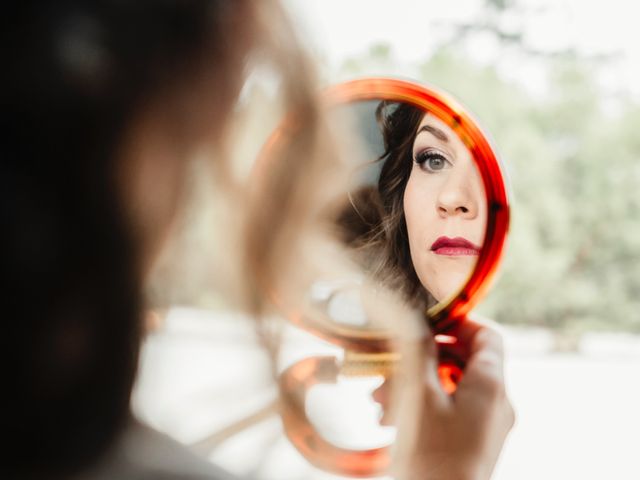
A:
[431,161]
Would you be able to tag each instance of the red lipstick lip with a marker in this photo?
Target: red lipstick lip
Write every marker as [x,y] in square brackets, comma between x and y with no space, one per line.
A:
[457,246]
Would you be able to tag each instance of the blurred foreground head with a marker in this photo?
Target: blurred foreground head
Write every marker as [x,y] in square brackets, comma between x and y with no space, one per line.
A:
[102,103]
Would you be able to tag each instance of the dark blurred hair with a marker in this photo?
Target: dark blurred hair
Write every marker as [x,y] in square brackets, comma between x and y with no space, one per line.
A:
[73,75]
[374,221]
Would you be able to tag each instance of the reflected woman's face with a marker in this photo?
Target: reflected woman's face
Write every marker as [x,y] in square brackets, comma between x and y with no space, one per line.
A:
[445,209]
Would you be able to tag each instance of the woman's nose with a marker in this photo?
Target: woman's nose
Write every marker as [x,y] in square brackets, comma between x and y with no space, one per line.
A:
[457,195]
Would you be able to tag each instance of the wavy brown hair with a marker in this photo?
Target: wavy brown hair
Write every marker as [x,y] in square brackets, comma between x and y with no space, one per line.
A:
[373,223]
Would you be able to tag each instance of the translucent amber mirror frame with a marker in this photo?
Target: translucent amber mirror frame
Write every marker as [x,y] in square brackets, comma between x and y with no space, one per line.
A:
[444,316]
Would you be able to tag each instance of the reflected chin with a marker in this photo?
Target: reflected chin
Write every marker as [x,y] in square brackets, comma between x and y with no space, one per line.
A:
[447,287]
[449,276]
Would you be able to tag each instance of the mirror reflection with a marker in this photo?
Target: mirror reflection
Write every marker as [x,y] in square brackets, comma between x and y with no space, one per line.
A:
[416,211]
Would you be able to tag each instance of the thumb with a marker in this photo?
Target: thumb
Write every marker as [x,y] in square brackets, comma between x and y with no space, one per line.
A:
[484,372]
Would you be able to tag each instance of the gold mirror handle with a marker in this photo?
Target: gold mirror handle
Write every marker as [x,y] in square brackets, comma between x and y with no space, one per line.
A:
[295,382]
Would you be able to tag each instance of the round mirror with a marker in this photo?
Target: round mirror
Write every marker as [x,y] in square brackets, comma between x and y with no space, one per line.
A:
[415,211]
[425,213]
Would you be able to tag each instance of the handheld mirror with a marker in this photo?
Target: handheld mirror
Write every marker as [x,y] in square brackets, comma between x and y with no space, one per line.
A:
[427,207]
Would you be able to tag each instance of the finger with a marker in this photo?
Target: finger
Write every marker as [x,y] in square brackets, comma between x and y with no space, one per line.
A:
[422,358]
[473,323]
[430,360]
[435,393]
[485,366]
[460,349]
[418,375]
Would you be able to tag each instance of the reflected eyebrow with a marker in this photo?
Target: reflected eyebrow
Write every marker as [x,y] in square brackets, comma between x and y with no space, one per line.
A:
[436,132]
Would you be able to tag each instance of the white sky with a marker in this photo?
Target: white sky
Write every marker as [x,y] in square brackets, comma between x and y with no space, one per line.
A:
[340,29]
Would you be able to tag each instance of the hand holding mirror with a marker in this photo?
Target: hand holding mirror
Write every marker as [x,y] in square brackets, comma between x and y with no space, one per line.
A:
[427,210]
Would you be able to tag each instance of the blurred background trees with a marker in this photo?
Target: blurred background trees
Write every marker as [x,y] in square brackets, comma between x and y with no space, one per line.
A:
[572,152]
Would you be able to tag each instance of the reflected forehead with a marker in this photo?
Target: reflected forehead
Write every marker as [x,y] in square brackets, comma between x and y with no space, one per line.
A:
[436,127]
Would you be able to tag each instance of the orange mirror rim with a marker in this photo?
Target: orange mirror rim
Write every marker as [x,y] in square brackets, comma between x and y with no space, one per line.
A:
[444,316]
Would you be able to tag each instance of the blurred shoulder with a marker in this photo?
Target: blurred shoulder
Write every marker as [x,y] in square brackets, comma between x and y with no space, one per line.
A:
[142,453]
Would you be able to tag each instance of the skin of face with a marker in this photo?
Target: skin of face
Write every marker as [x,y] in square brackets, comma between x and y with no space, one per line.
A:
[444,205]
